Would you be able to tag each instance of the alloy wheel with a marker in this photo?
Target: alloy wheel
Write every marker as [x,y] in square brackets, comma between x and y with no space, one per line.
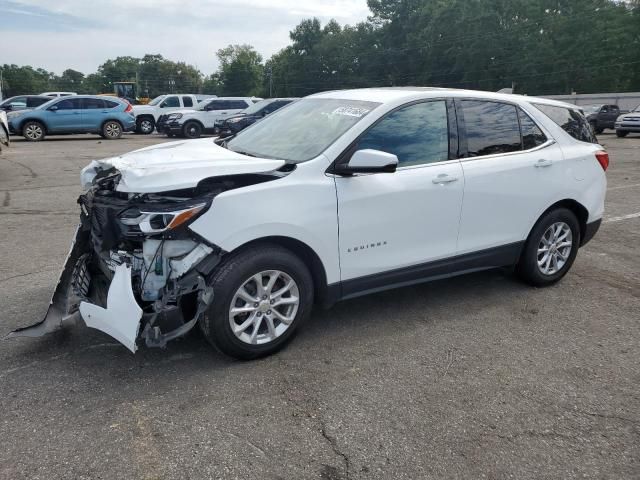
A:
[112,130]
[264,307]
[554,248]
[146,126]
[33,131]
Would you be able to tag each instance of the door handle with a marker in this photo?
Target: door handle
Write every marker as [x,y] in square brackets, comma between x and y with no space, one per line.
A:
[443,179]
[543,162]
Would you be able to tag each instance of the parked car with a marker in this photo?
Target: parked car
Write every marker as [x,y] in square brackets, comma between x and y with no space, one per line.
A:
[23,102]
[628,122]
[238,122]
[107,116]
[193,123]
[147,115]
[601,117]
[337,195]
[5,141]
[58,94]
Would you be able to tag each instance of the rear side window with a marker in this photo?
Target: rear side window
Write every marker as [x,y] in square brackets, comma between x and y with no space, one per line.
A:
[33,102]
[187,102]
[532,136]
[571,121]
[110,104]
[93,103]
[492,128]
[216,105]
[416,134]
[236,104]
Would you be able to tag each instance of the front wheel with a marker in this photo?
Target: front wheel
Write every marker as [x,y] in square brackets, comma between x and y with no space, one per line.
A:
[262,296]
[111,130]
[550,249]
[145,125]
[621,133]
[192,130]
[33,131]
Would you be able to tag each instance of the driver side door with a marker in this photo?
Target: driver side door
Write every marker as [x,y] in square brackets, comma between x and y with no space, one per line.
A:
[397,228]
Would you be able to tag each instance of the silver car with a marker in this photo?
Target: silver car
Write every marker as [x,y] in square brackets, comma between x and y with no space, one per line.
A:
[628,122]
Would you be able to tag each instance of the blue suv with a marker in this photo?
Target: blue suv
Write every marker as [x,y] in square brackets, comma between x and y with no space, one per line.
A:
[107,116]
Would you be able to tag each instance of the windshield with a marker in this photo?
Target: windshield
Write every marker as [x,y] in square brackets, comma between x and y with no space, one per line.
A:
[256,107]
[301,131]
[156,100]
[591,109]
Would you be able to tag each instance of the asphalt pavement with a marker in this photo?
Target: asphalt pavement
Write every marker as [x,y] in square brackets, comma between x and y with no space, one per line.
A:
[473,377]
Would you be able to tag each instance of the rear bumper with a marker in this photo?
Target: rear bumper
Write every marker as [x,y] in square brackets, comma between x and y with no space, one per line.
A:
[590,231]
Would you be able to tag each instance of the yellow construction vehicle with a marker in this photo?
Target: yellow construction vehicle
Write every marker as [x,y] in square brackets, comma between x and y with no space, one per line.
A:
[128,91]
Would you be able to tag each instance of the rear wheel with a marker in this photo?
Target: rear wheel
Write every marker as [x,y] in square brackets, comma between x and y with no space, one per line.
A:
[622,133]
[111,130]
[262,297]
[145,125]
[550,249]
[192,130]
[33,131]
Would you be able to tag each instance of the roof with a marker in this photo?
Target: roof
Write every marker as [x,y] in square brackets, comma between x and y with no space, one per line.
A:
[397,94]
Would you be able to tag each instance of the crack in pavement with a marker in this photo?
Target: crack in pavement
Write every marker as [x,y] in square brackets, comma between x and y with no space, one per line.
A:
[334,446]
[7,199]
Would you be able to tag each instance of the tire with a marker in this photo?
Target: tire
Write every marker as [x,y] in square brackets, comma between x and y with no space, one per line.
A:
[145,125]
[4,137]
[599,131]
[560,221]
[111,130]
[33,131]
[192,130]
[621,133]
[262,326]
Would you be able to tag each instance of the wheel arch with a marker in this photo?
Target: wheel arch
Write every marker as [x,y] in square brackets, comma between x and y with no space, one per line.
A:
[111,120]
[579,210]
[193,120]
[303,251]
[24,121]
[142,116]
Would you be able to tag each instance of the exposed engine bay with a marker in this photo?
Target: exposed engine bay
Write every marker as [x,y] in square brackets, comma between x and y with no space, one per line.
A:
[135,270]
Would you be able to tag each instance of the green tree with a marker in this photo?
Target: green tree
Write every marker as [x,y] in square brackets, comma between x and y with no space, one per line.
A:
[241,71]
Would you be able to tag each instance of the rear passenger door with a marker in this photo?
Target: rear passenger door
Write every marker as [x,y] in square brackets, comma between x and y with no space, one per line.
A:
[511,173]
[94,113]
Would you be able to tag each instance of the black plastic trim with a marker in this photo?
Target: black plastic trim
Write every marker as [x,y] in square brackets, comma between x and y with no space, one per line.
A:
[590,231]
[448,267]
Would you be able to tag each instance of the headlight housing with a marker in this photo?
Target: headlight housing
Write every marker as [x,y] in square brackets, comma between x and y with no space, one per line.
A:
[234,120]
[152,223]
[175,116]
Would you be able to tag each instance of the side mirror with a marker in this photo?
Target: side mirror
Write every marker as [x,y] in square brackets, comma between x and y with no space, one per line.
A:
[53,108]
[370,161]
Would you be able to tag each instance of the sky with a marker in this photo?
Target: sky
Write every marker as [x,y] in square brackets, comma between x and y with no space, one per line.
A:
[82,34]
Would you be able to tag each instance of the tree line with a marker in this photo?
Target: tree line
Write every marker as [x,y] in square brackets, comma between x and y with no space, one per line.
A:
[534,46]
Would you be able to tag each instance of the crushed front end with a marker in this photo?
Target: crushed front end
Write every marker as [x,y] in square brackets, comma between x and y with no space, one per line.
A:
[135,270]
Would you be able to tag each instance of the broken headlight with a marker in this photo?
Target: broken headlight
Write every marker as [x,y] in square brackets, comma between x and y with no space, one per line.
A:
[157,222]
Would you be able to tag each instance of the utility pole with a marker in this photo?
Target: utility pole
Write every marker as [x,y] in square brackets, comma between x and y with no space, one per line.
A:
[270,74]
[1,96]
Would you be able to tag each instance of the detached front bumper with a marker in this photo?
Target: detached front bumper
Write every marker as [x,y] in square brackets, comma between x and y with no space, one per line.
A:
[114,306]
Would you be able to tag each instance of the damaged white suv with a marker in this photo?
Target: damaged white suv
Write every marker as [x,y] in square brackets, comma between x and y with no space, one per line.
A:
[338,195]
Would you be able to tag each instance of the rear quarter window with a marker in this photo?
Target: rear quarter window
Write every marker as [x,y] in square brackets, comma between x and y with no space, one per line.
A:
[571,121]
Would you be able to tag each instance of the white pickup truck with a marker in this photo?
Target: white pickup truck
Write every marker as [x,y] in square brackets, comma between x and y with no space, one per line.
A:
[147,115]
[192,123]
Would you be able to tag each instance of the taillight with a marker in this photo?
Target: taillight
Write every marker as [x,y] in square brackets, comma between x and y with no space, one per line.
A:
[129,108]
[603,159]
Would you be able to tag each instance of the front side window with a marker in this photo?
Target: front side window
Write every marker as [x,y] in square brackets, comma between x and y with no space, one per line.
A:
[303,130]
[491,127]
[532,136]
[187,102]
[170,102]
[69,104]
[570,120]
[416,134]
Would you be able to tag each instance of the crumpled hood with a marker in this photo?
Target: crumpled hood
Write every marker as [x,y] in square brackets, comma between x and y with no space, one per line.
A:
[176,165]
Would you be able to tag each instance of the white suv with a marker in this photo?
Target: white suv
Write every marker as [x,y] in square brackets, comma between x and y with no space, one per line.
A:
[193,123]
[147,115]
[338,195]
